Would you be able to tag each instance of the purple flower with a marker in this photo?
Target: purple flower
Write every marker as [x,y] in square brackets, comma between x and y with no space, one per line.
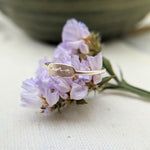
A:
[95,63]
[46,90]
[81,66]
[45,81]
[78,91]
[31,96]
[62,54]
[73,35]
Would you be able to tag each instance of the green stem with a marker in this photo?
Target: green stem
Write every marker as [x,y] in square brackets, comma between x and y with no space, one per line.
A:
[124,86]
[121,84]
[132,89]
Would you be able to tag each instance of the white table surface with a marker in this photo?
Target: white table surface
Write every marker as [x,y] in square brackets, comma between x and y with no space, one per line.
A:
[108,122]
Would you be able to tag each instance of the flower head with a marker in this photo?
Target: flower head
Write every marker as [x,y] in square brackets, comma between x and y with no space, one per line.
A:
[73,35]
[82,50]
[49,92]
[44,90]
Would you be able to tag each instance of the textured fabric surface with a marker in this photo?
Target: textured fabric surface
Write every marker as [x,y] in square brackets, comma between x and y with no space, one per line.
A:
[108,122]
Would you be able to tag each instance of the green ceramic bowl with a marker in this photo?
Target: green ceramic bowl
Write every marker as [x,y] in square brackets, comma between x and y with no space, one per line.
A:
[44,19]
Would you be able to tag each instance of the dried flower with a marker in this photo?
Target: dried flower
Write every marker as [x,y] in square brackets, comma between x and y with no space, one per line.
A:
[73,34]
[82,50]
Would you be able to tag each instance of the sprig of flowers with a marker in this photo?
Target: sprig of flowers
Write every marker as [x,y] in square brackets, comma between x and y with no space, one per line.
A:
[83,51]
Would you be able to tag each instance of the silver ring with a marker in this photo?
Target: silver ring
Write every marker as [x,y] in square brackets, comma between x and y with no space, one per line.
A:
[67,71]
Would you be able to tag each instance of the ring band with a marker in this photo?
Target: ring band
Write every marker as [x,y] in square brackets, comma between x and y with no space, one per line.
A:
[64,70]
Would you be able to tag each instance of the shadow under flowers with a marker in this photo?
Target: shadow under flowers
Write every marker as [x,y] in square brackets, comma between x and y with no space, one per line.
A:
[96,109]
[74,114]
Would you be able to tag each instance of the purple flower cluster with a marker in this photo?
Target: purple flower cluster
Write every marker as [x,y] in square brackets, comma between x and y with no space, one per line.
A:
[44,90]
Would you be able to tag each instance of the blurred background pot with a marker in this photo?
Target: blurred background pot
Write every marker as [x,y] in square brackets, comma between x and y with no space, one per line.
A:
[44,19]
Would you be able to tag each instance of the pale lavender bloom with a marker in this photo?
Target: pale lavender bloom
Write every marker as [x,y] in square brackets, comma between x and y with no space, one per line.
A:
[95,63]
[50,88]
[81,66]
[49,82]
[78,84]
[31,96]
[44,88]
[62,54]
[73,35]
[78,91]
